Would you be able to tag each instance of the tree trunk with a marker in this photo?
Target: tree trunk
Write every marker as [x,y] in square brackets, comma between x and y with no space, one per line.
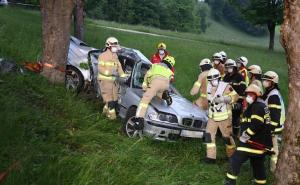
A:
[79,19]
[271,28]
[56,16]
[288,168]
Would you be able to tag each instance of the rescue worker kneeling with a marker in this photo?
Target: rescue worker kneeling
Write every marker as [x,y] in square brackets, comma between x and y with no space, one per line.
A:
[255,140]
[220,96]
[110,69]
[200,85]
[156,83]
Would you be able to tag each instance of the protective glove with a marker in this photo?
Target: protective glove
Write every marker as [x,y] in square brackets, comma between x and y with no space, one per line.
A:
[222,99]
[244,137]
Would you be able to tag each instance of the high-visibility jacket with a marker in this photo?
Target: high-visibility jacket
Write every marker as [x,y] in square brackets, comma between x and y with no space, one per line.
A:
[220,111]
[256,123]
[243,71]
[274,101]
[200,86]
[109,66]
[157,70]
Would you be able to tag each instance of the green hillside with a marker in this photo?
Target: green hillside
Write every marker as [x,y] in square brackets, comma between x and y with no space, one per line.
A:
[63,139]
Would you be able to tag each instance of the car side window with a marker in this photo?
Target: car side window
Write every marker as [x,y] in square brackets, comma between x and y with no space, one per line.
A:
[139,74]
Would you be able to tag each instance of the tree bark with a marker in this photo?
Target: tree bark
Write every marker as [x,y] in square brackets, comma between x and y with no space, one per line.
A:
[56,16]
[271,28]
[288,167]
[79,19]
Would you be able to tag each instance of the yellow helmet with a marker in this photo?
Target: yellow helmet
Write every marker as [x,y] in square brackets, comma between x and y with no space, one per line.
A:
[255,69]
[271,76]
[205,61]
[254,89]
[161,46]
[170,60]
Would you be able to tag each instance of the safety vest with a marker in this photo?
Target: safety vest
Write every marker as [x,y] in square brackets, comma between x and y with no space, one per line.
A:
[217,112]
[282,108]
[159,70]
[244,72]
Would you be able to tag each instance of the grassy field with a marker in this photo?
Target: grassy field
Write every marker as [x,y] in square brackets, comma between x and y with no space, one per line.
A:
[62,139]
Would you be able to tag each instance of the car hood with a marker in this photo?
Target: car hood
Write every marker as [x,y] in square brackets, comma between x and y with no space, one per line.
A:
[180,107]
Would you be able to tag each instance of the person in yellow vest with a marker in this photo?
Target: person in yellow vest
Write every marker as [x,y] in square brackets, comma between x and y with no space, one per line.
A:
[274,101]
[109,68]
[255,73]
[242,64]
[200,85]
[156,83]
[220,97]
[218,64]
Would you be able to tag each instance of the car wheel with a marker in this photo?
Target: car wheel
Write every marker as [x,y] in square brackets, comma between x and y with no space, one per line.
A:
[129,125]
[73,79]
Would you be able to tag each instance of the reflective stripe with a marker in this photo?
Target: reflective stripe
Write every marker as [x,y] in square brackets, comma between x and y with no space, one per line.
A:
[219,116]
[145,105]
[260,181]
[230,146]
[246,120]
[278,129]
[274,106]
[274,123]
[274,158]
[107,63]
[144,84]
[257,117]
[210,145]
[112,111]
[249,131]
[242,82]
[197,84]
[203,95]
[103,77]
[231,176]
[254,151]
[106,72]
[123,75]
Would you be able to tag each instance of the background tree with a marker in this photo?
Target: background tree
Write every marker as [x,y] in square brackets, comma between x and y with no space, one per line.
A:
[217,9]
[202,12]
[288,167]
[56,18]
[266,12]
[78,16]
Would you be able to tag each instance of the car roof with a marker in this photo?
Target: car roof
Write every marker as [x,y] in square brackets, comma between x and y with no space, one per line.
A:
[134,54]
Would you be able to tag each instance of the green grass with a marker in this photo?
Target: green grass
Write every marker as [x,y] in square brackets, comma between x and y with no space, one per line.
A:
[63,139]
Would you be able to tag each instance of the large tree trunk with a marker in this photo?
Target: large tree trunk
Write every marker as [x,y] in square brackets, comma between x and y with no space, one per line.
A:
[271,28]
[56,16]
[79,19]
[288,168]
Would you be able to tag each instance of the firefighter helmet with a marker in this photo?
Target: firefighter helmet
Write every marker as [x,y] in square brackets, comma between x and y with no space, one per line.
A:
[170,60]
[111,41]
[242,60]
[271,76]
[213,74]
[255,69]
[224,55]
[162,46]
[252,88]
[205,61]
[217,56]
[230,63]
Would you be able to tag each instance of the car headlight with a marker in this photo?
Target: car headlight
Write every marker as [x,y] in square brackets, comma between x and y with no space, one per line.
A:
[163,117]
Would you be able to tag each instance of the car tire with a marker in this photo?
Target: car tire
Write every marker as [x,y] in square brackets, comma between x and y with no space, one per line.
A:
[73,79]
[128,125]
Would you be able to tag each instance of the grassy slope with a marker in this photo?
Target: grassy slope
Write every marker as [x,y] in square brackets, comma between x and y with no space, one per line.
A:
[61,139]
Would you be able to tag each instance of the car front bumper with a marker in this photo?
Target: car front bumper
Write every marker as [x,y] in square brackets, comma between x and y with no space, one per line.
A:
[162,131]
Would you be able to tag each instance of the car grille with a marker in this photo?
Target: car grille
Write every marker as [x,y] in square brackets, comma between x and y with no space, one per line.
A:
[188,122]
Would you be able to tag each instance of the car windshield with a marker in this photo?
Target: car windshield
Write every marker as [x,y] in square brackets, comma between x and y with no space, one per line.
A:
[138,76]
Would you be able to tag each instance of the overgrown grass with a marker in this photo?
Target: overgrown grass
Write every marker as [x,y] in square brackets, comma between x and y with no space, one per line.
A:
[63,139]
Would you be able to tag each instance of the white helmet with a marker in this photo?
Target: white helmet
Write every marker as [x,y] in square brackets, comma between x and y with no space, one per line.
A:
[217,56]
[254,89]
[255,69]
[271,76]
[213,74]
[224,55]
[205,61]
[242,60]
[230,63]
[111,41]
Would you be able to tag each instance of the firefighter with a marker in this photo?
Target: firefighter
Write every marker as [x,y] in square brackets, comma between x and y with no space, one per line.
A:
[242,64]
[201,84]
[110,69]
[255,73]
[160,54]
[218,64]
[274,101]
[156,83]
[235,79]
[220,96]
[224,56]
[255,140]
